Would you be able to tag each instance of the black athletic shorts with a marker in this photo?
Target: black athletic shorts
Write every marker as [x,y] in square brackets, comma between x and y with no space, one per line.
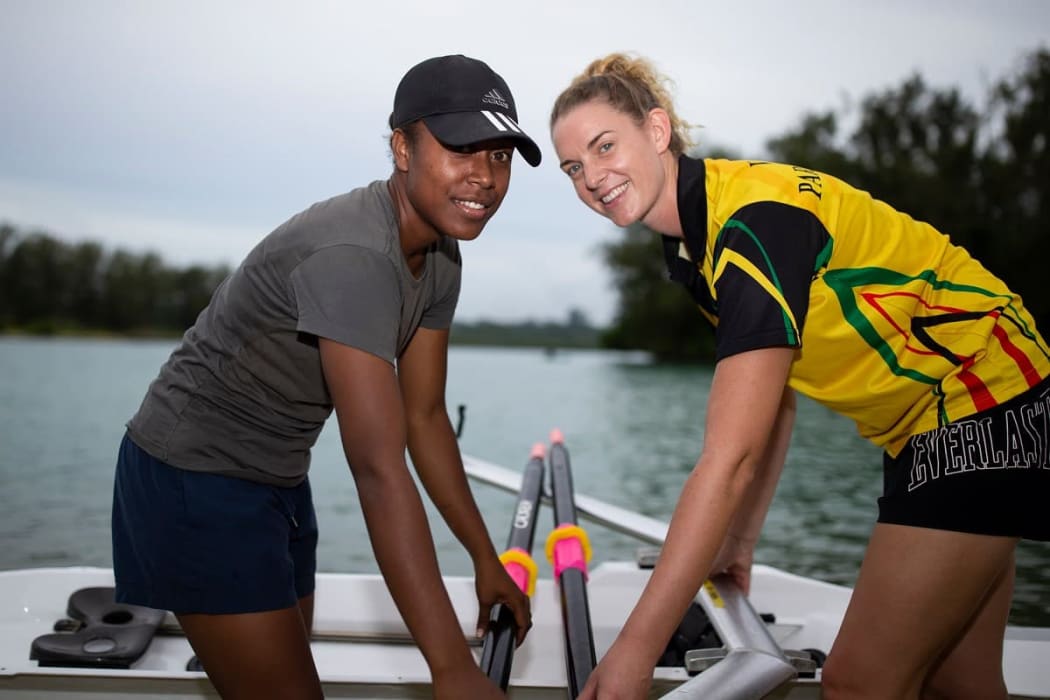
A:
[987,474]
[192,542]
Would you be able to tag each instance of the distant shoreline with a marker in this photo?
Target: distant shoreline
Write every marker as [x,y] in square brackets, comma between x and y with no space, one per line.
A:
[483,334]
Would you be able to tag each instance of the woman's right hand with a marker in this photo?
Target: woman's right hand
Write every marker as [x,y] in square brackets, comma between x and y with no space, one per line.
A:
[735,559]
[465,682]
[622,675]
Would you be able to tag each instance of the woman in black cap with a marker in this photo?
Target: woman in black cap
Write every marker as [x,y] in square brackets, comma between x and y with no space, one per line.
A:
[347,305]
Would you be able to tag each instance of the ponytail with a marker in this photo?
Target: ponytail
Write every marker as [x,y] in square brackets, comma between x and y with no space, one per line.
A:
[629,85]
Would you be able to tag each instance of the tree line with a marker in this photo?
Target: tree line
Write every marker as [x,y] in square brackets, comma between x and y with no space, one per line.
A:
[575,332]
[980,174]
[49,286]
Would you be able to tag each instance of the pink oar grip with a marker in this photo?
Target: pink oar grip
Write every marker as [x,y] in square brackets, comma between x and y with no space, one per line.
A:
[557,437]
[518,574]
[521,568]
[568,554]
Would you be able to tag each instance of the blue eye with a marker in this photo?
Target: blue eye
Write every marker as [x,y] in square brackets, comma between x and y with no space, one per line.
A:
[605,147]
[572,169]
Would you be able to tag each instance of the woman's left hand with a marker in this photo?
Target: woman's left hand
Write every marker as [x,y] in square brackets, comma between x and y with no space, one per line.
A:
[494,585]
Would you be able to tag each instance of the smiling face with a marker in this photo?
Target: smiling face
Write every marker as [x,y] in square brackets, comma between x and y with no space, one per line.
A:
[618,167]
[445,191]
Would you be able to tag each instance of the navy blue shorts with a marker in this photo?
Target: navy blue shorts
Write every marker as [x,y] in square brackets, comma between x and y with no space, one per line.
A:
[987,474]
[192,542]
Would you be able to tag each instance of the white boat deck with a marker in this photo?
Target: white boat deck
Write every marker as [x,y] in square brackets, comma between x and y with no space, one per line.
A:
[363,649]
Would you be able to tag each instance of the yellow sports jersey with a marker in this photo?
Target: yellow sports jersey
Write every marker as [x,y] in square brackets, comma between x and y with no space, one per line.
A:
[896,328]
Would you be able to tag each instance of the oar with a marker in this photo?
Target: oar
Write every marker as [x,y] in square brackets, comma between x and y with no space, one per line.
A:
[568,551]
[497,653]
[597,511]
[754,658]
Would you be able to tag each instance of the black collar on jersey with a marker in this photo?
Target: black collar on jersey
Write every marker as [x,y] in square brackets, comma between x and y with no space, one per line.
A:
[692,205]
[692,213]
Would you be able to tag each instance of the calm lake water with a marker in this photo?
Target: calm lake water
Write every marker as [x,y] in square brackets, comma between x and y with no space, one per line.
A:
[633,431]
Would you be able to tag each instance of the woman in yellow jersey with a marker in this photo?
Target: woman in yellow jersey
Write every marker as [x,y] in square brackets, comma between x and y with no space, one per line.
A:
[815,286]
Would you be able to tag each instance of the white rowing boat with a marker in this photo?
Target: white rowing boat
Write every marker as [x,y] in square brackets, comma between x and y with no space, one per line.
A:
[362,649]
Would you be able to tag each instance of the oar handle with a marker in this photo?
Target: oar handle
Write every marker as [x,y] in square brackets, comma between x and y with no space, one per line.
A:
[497,652]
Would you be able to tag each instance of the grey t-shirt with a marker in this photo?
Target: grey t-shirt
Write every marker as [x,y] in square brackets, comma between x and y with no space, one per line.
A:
[244,394]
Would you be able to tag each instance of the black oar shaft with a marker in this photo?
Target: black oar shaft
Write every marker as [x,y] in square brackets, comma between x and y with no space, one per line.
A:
[561,485]
[497,652]
[576,615]
[523,529]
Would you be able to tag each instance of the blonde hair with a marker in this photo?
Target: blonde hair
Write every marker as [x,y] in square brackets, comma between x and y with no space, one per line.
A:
[630,85]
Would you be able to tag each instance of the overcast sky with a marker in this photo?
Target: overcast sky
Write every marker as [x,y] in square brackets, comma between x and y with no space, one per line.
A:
[193,128]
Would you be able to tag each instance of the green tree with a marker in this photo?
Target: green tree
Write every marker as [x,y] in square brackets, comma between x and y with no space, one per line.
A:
[917,148]
[814,144]
[131,291]
[653,314]
[192,290]
[8,237]
[50,286]
[1016,188]
[914,147]
[34,272]
[82,284]
[577,318]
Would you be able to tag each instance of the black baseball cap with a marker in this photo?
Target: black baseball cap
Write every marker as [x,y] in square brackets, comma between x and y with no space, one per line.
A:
[462,101]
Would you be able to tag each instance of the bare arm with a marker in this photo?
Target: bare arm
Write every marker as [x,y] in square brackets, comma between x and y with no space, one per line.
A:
[738,550]
[432,441]
[747,525]
[371,419]
[743,410]
[435,454]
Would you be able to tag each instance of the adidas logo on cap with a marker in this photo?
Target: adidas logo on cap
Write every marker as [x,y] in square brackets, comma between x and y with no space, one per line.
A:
[493,97]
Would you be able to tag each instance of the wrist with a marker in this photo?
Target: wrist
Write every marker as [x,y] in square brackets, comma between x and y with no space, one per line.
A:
[484,556]
[450,660]
[640,644]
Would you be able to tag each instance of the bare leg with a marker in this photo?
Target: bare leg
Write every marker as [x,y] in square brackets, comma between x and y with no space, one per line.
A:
[973,668]
[256,655]
[918,594]
[306,608]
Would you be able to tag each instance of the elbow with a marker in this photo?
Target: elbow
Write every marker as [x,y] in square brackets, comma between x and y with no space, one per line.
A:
[733,474]
[744,476]
[425,418]
[374,475]
[424,428]
[368,476]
